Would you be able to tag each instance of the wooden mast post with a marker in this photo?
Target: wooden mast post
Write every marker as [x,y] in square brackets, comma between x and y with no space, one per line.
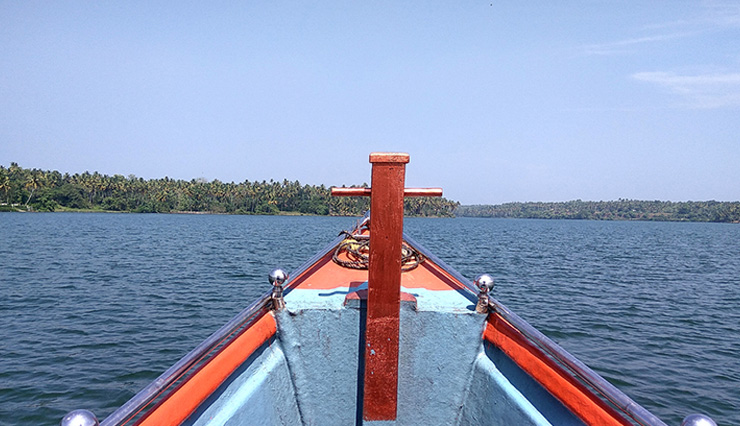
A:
[380,401]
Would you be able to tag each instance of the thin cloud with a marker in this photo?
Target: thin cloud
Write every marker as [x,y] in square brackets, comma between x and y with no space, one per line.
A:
[715,16]
[724,14]
[627,45]
[717,90]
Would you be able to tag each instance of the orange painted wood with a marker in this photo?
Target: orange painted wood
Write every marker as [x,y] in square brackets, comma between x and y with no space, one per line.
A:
[389,157]
[366,192]
[350,192]
[568,390]
[384,290]
[422,192]
[188,396]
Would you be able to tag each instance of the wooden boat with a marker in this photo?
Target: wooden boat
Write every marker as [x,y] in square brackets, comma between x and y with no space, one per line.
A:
[375,329]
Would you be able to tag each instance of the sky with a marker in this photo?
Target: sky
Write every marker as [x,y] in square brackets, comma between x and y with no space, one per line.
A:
[494,101]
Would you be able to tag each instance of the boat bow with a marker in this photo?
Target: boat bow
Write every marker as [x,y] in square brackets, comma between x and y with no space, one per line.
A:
[358,336]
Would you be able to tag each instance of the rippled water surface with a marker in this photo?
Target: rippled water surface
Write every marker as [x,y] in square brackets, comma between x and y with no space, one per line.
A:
[95,306]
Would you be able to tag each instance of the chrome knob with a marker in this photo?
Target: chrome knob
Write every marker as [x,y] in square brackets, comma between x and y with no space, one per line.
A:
[484,283]
[79,418]
[278,277]
[484,280]
[698,420]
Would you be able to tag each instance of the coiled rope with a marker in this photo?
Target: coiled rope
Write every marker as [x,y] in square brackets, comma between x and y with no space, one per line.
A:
[356,249]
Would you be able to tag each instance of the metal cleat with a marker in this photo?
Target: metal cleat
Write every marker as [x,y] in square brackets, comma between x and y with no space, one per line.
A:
[698,420]
[485,284]
[277,278]
[79,418]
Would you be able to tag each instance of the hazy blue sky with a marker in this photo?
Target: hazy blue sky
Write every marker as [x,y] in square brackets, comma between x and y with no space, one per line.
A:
[495,101]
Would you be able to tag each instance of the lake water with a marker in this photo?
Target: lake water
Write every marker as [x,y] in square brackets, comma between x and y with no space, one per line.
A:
[95,306]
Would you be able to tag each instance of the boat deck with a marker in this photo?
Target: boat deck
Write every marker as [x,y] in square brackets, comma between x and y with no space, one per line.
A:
[310,372]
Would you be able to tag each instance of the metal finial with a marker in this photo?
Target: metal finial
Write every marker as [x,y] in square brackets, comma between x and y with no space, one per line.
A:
[484,279]
[79,418]
[698,420]
[277,278]
[484,283]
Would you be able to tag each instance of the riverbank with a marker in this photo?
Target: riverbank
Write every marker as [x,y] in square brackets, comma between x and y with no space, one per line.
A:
[55,191]
[496,212]
[23,209]
[634,210]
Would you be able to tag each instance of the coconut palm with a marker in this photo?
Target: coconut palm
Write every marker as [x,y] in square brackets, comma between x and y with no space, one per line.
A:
[4,183]
[33,181]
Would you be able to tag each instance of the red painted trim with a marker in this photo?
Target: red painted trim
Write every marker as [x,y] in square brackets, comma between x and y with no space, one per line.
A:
[562,385]
[182,402]
[384,291]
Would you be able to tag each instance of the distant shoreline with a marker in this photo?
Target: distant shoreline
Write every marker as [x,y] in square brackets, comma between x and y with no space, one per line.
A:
[40,190]
[619,210]
[48,191]
[497,212]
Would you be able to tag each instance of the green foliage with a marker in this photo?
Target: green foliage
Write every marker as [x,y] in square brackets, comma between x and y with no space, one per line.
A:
[69,195]
[694,211]
[45,202]
[50,190]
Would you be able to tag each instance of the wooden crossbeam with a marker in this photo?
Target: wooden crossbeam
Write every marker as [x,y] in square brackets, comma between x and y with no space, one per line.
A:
[407,192]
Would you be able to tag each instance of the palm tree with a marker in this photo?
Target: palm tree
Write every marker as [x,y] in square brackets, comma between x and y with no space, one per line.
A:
[4,183]
[33,181]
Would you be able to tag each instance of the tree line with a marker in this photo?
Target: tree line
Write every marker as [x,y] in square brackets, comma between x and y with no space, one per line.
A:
[39,190]
[694,211]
